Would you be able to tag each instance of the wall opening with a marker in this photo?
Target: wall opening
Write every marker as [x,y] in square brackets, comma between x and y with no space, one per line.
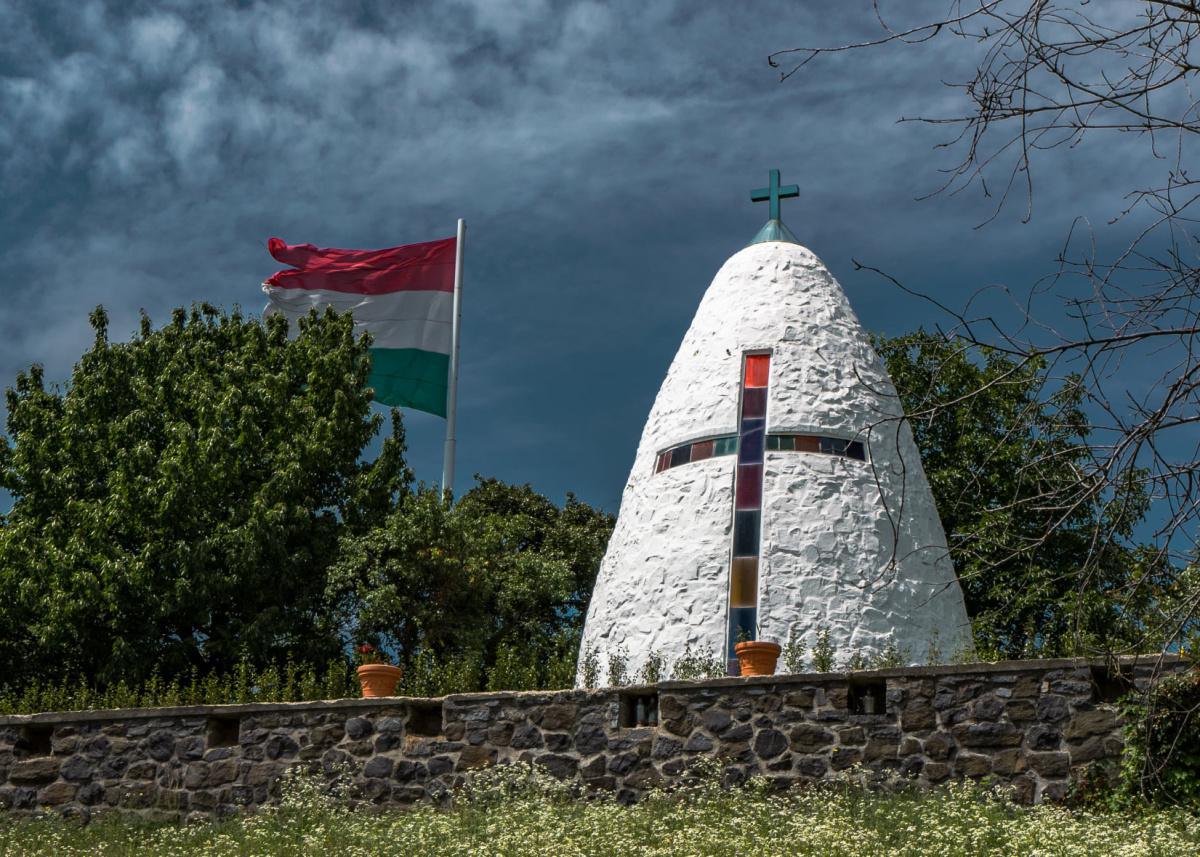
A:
[34,739]
[425,719]
[868,697]
[1110,685]
[222,731]
[638,709]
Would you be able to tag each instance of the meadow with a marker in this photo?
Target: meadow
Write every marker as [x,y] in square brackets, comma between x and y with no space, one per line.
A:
[513,811]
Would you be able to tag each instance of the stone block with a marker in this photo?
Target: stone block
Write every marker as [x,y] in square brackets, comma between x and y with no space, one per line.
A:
[813,767]
[561,766]
[1053,765]
[358,728]
[1094,748]
[844,757]
[190,748]
[621,764]
[972,765]
[918,714]
[988,735]
[557,742]
[800,699]
[1043,737]
[78,769]
[223,772]
[769,743]
[808,737]
[716,721]
[1020,710]
[90,794]
[56,794]
[988,708]
[644,777]
[1024,789]
[500,734]
[852,735]
[1097,721]
[671,708]
[160,746]
[378,766]
[472,758]
[33,771]
[936,772]
[527,736]
[741,732]
[666,748]
[559,718]
[1052,709]
[698,743]
[1009,762]
[196,776]
[278,746]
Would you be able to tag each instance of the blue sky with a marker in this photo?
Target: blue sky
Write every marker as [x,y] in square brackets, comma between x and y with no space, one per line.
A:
[601,153]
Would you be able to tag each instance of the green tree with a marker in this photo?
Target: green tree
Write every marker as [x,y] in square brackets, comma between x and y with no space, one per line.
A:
[503,574]
[1042,570]
[178,504]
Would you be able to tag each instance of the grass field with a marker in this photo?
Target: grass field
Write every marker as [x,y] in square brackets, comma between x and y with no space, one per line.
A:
[511,812]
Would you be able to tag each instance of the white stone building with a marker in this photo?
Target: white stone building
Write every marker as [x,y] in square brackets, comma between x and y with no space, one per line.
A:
[775,485]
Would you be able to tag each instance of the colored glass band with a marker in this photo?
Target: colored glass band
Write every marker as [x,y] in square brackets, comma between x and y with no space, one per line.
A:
[747,506]
[814,443]
[698,450]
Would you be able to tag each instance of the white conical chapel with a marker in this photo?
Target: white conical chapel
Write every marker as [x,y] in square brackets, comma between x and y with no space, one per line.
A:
[776,485]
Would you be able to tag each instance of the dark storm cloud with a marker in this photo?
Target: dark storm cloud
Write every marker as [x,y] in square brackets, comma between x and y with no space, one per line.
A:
[602,154]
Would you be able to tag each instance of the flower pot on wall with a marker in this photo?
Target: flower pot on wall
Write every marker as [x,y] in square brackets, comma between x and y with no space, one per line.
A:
[379,679]
[757,657]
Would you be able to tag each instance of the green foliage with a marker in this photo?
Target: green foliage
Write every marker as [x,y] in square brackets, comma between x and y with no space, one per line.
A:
[793,651]
[823,652]
[618,672]
[697,666]
[857,662]
[1161,761]
[933,652]
[590,668]
[286,682]
[654,669]
[502,576]
[892,656]
[177,505]
[519,811]
[1044,559]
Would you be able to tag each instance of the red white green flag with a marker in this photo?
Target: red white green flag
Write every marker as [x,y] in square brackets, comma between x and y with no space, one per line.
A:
[404,296]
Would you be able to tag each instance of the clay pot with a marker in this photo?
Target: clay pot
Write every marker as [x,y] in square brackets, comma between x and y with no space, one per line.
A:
[757,657]
[379,679]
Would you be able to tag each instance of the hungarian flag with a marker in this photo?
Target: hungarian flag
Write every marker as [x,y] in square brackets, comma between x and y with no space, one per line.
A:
[404,296]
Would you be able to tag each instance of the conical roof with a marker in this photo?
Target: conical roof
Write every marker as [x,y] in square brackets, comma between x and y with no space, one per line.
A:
[854,547]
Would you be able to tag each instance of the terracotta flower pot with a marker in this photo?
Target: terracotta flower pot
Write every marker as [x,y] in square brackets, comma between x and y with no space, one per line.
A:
[379,679]
[757,657]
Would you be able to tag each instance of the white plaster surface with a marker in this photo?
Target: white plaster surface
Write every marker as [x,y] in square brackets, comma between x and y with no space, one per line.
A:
[855,547]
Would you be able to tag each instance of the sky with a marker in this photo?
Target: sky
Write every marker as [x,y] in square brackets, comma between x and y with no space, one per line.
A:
[602,154]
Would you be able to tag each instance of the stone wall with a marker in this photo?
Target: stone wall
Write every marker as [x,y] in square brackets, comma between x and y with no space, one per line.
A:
[1032,724]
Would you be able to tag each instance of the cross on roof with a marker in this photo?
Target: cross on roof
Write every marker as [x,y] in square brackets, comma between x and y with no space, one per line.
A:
[774,193]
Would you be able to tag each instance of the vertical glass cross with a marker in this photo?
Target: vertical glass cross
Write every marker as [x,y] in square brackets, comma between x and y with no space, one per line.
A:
[774,193]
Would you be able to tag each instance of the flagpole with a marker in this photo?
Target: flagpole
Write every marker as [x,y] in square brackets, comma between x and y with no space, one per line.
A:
[452,389]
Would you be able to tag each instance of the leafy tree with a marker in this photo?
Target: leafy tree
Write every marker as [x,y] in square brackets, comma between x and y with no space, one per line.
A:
[178,503]
[1004,456]
[503,573]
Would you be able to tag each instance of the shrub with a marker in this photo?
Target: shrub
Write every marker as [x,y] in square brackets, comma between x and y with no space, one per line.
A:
[1161,763]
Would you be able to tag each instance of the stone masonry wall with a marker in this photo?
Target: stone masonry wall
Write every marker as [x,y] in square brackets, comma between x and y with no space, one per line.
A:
[1032,724]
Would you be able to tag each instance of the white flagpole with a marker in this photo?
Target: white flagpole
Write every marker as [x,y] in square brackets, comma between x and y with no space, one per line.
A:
[452,388]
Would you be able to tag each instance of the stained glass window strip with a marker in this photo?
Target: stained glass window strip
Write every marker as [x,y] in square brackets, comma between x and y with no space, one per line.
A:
[747,514]
[698,450]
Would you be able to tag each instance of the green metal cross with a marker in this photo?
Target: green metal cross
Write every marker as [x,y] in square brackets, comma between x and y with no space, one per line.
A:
[774,193]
